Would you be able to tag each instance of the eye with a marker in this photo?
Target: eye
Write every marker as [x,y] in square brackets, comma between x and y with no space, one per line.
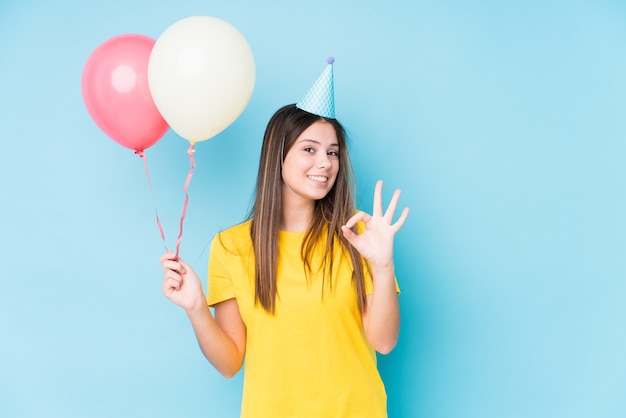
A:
[308,149]
[333,153]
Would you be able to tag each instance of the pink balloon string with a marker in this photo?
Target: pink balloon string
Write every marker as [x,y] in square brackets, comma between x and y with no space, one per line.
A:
[145,163]
[192,164]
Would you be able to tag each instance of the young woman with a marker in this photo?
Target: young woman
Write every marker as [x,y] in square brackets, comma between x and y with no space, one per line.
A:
[304,289]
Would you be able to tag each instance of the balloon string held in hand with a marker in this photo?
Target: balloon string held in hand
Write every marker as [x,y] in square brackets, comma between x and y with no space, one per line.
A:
[145,163]
[192,164]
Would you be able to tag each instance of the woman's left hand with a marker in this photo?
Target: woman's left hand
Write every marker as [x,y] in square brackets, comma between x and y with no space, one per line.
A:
[375,243]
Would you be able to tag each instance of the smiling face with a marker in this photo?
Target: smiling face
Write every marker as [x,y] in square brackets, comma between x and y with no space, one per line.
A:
[310,167]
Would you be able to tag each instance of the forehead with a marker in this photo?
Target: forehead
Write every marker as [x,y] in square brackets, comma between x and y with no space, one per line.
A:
[321,132]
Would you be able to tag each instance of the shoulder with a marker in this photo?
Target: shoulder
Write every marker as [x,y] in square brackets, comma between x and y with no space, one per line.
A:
[234,238]
[241,229]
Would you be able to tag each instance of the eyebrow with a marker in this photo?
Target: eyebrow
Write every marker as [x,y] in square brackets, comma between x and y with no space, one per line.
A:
[315,142]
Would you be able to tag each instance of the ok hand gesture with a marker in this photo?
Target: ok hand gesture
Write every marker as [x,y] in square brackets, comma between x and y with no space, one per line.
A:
[375,243]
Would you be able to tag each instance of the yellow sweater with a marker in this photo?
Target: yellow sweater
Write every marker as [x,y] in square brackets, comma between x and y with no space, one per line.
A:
[311,358]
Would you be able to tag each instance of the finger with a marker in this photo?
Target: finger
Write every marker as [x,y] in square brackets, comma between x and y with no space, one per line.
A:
[167,256]
[171,265]
[398,224]
[173,274]
[183,266]
[360,216]
[177,265]
[348,233]
[171,282]
[391,209]
[377,210]
[170,287]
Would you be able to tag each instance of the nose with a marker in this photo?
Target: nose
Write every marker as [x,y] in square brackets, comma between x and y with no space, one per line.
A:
[323,161]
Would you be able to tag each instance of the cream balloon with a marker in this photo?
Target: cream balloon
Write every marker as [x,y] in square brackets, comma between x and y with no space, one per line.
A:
[201,75]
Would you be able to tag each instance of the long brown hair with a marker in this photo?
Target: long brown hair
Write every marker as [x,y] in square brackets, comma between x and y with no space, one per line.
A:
[329,215]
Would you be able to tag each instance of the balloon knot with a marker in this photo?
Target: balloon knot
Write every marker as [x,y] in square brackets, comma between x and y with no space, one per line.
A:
[139,153]
[330,60]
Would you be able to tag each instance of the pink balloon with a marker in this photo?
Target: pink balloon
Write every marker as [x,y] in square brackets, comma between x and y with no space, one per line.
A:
[116,92]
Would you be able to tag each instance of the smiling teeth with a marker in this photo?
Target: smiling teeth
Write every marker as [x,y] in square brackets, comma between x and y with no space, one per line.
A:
[318,178]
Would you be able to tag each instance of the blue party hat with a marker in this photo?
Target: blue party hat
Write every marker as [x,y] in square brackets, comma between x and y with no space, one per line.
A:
[320,99]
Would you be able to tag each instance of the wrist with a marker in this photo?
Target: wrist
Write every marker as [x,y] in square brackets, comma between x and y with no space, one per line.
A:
[383,269]
[199,306]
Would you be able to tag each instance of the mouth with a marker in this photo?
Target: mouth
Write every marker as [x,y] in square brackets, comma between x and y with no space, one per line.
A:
[321,179]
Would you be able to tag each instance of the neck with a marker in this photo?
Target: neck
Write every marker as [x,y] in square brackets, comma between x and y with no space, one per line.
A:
[296,217]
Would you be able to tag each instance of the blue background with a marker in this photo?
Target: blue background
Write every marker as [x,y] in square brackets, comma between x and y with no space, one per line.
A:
[503,122]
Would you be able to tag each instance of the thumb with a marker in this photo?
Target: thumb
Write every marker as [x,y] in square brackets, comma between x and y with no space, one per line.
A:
[184,266]
[348,233]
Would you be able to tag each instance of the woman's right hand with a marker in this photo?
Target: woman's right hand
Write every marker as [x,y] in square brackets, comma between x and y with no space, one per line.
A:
[181,284]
